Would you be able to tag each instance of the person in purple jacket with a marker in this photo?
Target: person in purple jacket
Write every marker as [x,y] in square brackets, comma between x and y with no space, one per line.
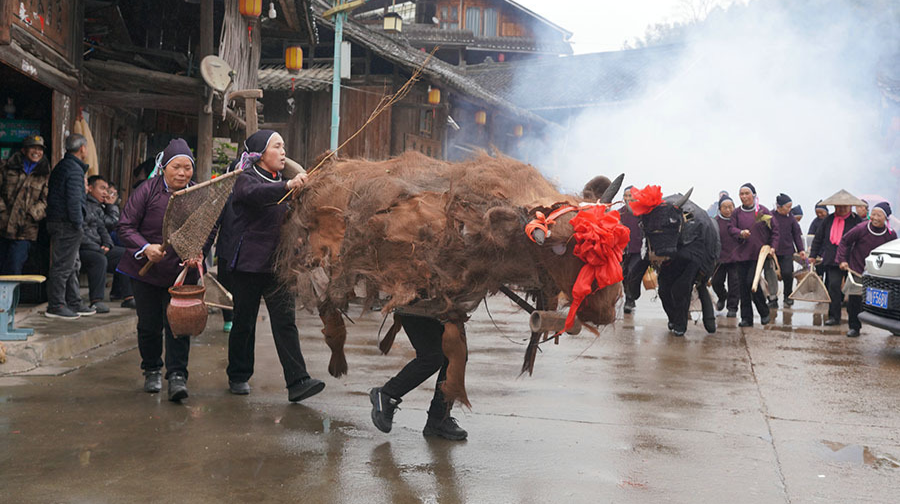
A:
[141,232]
[825,246]
[727,267]
[790,240]
[256,231]
[855,246]
[751,226]
[633,264]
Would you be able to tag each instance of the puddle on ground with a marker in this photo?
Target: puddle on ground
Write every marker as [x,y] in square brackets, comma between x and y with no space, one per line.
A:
[833,451]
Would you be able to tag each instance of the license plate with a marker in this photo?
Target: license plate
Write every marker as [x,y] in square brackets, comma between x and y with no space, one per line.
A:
[877,298]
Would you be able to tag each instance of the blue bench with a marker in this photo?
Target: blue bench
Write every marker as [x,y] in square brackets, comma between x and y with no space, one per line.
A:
[9,299]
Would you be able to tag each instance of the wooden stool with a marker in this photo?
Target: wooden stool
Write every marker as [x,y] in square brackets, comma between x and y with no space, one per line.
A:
[9,299]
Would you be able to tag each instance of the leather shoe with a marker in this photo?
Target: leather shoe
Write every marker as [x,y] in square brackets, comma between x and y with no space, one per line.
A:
[853,333]
[720,304]
[152,381]
[446,428]
[238,387]
[745,323]
[629,306]
[305,389]
[773,303]
[177,387]
[732,314]
[765,320]
[788,302]
[832,322]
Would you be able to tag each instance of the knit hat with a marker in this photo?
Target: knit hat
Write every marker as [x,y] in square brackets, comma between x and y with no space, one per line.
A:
[177,148]
[748,185]
[725,198]
[254,147]
[797,210]
[782,199]
[885,207]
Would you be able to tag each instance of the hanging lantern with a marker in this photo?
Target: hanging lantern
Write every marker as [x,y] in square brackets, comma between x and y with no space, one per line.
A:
[481,117]
[293,61]
[518,131]
[250,8]
[393,23]
[434,96]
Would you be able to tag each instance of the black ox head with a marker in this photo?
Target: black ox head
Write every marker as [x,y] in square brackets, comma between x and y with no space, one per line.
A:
[662,226]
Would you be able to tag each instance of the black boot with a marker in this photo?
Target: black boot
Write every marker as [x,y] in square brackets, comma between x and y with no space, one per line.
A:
[629,306]
[383,407]
[446,428]
[305,389]
[177,387]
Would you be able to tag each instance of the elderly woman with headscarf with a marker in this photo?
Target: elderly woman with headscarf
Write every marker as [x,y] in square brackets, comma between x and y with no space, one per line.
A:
[141,232]
[855,246]
[751,226]
[257,228]
[790,240]
[825,245]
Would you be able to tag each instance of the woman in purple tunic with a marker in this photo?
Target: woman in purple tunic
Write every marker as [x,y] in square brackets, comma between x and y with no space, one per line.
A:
[141,232]
[855,247]
[727,267]
[751,226]
[790,240]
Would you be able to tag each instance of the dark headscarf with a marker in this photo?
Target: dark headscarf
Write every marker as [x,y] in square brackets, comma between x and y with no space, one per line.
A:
[254,147]
[782,199]
[748,185]
[797,210]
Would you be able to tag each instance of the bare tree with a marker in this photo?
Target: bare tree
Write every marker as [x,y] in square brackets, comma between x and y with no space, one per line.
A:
[695,11]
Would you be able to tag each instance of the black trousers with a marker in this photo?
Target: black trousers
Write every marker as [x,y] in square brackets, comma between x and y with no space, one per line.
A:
[731,295]
[786,263]
[633,269]
[425,335]
[247,290]
[834,277]
[151,302]
[746,269]
[224,277]
[96,265]
[676,285]
[854,308]
[62,280]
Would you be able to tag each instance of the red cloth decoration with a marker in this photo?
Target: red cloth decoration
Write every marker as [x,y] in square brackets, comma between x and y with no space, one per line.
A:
[645,200]
[600,239]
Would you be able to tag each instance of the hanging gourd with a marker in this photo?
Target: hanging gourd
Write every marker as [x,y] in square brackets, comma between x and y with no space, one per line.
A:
[250,9]
[293,61]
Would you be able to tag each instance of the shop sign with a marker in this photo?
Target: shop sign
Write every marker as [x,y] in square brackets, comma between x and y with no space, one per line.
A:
[49,20]
[15,131]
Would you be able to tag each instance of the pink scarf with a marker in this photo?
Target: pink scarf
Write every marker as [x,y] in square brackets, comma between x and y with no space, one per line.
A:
[837,228]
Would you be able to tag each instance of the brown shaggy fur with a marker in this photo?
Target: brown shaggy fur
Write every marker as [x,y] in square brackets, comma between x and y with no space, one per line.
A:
[427,237]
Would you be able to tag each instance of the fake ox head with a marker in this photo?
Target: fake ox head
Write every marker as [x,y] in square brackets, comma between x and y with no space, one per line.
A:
[662,226]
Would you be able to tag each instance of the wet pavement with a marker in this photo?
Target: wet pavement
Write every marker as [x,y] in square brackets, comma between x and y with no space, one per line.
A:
[780,414]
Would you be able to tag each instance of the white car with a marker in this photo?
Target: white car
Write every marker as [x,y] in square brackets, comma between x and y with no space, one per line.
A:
[881,288]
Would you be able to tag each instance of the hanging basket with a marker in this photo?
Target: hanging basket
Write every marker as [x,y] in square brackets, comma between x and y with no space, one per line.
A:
[186,311]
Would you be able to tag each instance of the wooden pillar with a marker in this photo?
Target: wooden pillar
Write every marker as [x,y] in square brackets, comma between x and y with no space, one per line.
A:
[205,120]
[5,20]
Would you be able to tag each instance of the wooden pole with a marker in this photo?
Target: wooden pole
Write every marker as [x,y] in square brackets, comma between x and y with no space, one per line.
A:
[205,120]
[5,10]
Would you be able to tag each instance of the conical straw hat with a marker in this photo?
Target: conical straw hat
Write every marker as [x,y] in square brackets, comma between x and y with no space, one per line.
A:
[842,197]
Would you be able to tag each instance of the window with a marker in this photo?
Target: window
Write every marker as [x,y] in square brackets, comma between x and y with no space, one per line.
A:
[426,122]
[473,20]
[490,22]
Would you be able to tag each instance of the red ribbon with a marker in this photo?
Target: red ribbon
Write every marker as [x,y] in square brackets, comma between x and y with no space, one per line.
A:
[600,239]
[645,200]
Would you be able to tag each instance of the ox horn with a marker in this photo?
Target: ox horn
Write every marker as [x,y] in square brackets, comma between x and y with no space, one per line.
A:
[612,190]
[684,199]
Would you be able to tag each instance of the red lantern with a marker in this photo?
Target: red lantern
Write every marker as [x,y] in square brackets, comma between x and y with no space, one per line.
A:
[250,8]
[434,96]
[481,117]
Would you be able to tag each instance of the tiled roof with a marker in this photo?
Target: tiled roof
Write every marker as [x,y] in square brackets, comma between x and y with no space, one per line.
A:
[432,35]
[278,78]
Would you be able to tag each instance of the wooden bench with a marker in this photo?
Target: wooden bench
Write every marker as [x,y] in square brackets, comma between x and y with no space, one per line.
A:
[9,299]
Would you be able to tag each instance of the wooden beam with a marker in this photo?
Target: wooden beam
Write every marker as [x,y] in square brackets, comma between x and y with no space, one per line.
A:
[16,57]
[124,99]
[245,93]
[289,11]
[5,21]
[149,80]
[205,120]
[344,7]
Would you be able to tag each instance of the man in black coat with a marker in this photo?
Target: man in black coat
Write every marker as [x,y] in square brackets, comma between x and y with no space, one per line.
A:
[65,202]
[98,254]
[825,246]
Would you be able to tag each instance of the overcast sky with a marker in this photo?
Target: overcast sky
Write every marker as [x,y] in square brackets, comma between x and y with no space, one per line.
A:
[604,25]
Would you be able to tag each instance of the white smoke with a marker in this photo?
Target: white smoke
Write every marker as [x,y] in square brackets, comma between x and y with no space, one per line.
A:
[787,102]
